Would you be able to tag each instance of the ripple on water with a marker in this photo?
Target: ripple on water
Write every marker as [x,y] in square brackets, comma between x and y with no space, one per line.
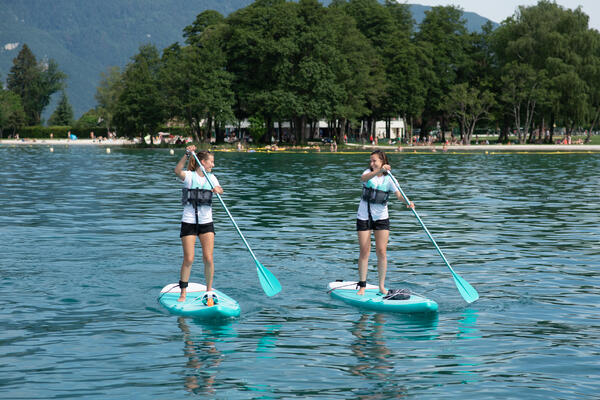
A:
[81,270]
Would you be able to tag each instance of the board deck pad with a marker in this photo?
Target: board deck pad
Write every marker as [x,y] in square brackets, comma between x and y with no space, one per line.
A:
[226,306]
[373,300]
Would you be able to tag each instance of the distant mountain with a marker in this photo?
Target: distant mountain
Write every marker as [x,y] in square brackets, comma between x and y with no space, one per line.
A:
[474,21]
[85,37]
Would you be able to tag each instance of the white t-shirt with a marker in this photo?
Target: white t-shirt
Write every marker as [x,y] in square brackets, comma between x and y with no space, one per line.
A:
[193,180]
[378,211]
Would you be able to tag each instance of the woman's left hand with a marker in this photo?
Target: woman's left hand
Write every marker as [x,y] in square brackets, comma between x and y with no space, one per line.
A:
[218,190]
[411,205]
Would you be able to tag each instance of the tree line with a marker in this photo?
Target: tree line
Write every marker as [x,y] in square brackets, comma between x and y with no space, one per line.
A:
[29,87]
[355,62]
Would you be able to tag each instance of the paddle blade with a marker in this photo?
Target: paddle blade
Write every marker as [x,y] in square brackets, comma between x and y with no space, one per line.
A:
[269,283]
[465,289]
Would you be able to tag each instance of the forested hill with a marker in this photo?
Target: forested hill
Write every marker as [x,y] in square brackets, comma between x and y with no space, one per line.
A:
[86,37]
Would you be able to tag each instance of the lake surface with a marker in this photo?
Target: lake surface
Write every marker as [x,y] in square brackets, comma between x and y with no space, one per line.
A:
[88,239]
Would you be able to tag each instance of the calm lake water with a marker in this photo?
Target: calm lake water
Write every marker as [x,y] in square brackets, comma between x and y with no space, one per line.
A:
[88,239]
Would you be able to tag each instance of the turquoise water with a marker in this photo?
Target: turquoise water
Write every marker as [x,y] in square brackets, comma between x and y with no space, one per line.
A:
[89,239]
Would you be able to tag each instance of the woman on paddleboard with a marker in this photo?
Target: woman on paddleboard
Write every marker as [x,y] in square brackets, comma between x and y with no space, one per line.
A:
[373,215]
[197,215]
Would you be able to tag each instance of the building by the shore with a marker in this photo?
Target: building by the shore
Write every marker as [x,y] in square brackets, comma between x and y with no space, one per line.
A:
[323,129]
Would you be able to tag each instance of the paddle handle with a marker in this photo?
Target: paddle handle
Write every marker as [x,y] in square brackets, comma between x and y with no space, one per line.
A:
[226,209]
[420,221]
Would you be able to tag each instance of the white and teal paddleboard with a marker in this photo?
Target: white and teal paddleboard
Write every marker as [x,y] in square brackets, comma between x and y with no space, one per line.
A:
[193,306]
[373,300]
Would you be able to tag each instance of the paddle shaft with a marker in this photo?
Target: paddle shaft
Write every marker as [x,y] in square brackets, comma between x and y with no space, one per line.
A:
[420,221]
[226,209]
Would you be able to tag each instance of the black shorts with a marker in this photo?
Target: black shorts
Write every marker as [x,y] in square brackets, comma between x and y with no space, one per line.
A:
[379,225]
[194,230]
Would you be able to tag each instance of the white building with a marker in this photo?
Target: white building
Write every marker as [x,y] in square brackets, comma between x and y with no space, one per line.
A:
[397,128]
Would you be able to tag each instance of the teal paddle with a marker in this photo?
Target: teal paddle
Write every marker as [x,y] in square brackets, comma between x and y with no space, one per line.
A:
[466,290]
[268,281]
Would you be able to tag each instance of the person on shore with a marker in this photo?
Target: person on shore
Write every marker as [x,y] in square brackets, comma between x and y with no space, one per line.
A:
[373,215]
[197,216]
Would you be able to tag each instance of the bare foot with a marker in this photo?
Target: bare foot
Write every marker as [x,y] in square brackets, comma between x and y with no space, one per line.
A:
[182,296]
[382,290]
[361,291]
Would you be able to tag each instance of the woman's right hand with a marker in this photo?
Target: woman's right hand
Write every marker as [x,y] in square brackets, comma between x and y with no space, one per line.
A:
[191,148]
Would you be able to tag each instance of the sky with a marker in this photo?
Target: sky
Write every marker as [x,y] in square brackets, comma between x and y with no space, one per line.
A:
[499,10]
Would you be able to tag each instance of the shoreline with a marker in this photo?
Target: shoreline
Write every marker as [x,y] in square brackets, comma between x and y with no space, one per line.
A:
[489,147]
[452,148]
[66,142]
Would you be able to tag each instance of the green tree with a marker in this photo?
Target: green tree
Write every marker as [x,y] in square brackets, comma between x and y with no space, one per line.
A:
[313,79]
[468,106]
[208,19]
[34,82]
[262,52]
[591,74]
[141,105]
[108,93]
[257,128]
[89,120]
[296,62]
[406,91]
[522,90]
[377,24]
[63,115]
[195,81]
[556,42]
[442,40]
[354,69]
[12,114]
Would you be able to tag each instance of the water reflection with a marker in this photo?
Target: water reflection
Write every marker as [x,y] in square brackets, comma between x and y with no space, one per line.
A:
[467,325]
[268,340]
[369,347]
[203,356]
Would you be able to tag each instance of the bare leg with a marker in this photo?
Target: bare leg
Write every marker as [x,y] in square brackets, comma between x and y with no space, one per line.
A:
[381,242]
[364,241]
[188,243]
[207,240]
